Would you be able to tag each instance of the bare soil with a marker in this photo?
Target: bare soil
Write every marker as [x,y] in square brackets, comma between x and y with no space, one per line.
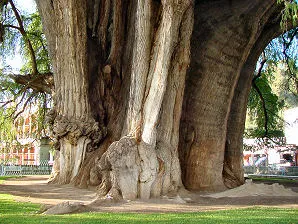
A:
[35,189]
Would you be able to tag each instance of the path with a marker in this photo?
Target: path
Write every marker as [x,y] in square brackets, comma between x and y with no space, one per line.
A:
[36,190]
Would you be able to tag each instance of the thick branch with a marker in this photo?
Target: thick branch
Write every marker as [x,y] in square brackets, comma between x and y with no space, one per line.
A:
[39,83]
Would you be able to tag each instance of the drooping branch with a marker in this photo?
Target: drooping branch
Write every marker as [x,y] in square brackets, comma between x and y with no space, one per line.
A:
[20,94]
[287,45]
[26,39]
[263,106]
[258,75]
[4,104]
[32,95]
[292,75]
[255,86]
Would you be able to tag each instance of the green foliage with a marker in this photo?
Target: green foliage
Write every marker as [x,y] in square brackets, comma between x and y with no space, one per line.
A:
[33,26]
[15,212]
[273,180]
[11,37]
[3,178]
[282,51]
[284,86]
[256,109]
[278,85]
[290,12]
[16,98]
[7,131]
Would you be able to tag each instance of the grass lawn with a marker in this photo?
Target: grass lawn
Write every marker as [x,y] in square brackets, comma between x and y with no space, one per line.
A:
[14,212]
[3,178]
[274,179]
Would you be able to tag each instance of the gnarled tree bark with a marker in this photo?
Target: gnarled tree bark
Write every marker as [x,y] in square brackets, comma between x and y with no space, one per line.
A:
[112,87]
[120,81]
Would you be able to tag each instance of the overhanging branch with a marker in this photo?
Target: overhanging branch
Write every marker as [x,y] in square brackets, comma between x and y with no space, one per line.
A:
[24,106]
[39,83]
[261,95]
[26,39]
[287,58]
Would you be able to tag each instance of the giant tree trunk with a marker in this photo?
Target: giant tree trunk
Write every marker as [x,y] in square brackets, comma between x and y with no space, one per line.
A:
[217,87]
[233,174]
[120,69]
[118,64]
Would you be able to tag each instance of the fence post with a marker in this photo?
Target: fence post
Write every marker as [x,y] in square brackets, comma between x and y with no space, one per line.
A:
[1,170]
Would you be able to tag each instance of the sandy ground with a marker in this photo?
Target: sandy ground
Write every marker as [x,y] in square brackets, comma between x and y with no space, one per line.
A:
[35,189]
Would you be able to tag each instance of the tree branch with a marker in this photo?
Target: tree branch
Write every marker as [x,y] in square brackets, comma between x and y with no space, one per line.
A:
[39,83]
[264,107]
[25,105]
[260,69]
[40,39]
[260,94]
[286,46]
[11,26]
[24,34]
[6,103]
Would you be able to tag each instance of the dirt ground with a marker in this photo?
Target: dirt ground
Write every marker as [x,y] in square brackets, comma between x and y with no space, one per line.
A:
[36,190]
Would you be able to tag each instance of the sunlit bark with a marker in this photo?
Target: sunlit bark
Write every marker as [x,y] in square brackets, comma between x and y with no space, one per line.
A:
[125,100]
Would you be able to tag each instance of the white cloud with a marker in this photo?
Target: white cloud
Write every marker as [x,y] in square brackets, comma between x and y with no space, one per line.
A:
[29,6]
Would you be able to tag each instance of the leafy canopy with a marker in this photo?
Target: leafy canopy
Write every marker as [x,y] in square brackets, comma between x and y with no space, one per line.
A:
[21,34]
[275,87]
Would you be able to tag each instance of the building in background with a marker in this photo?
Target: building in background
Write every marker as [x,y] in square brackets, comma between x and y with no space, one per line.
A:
[281,151]
[28,148]
[291,129]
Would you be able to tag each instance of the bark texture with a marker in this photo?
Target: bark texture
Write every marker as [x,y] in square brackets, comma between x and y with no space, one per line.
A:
[232,171]
[217,88]
[124,93]
[115,121]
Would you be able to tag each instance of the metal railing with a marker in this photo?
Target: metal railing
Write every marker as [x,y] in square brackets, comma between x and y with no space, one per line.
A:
[18,170]
[45,169]
[272,170]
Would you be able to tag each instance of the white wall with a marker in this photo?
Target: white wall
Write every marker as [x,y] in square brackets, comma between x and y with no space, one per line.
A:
[291,125]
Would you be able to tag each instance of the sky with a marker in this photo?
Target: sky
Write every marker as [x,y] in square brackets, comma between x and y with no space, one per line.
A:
[26,5]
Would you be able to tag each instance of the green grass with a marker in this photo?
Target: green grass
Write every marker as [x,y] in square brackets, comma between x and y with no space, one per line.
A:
[4,178]
[12,212]
[274,179]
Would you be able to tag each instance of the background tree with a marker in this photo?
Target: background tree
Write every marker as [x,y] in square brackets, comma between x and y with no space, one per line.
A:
[274,87]
[33,86]
[30,89]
